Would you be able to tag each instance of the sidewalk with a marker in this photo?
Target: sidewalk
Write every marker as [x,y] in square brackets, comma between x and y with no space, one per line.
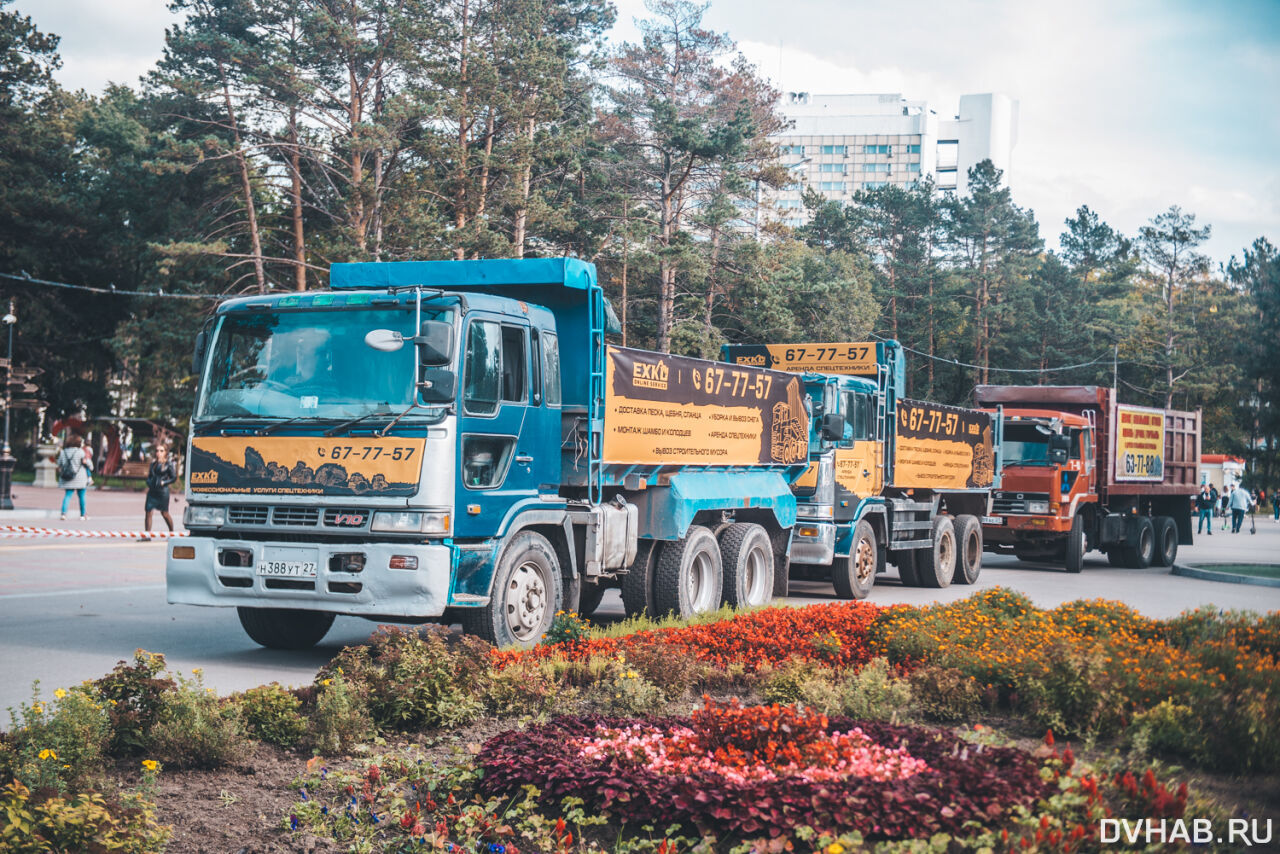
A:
[108,509]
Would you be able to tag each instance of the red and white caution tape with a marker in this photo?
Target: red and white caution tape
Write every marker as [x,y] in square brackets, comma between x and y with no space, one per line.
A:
[29,531]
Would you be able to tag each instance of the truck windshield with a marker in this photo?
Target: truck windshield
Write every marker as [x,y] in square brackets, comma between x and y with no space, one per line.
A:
[1025,445]
[310,364]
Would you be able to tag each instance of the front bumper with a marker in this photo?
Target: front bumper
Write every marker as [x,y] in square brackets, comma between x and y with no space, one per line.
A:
[813,542]
[376,590]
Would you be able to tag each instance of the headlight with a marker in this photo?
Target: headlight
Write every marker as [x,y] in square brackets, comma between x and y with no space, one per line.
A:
[204,516]
[1038,508]
[410,522]
[812,511]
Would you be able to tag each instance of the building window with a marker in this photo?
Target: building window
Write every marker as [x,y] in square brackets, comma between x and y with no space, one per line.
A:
[786,204]
[831,186]
[792,149]
[793,223]
[877,149]
[875,185]
[833,149]
[877,167]
[913,149]
[913,167]
[832,167]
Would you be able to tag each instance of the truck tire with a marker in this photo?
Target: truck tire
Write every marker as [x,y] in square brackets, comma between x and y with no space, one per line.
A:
[936,565]
[1139,555]
[855,574]
[527,592]
[906,561]
[747,554]
[1116,556]
[284,628]
[1073,559]
[1166,541]
[589,598]
[968,549]
[637,581]
[689,575]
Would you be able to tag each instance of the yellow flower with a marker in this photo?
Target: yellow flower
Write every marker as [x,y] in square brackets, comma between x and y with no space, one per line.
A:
[38,708]
[196,671]
[150,764]
[48,754]
[60,693]
[835,848]
[326,682]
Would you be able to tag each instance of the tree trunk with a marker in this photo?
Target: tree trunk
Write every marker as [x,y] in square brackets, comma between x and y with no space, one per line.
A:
[626,246]
[460,194]
[246,185]
[526,187]
[295,194]
[666,270]
[355,112]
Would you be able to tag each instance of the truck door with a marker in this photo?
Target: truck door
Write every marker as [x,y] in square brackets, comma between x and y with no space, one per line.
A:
[495,461]
[858,463]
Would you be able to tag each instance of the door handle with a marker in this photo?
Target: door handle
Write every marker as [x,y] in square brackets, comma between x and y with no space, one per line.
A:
[523,458]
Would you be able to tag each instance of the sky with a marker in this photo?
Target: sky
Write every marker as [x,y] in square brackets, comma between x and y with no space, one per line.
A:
[1125,107]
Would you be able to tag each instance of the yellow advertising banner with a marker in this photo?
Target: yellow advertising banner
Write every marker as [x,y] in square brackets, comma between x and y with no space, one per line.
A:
[857,469]
[674,410]
[304,465]
[855,358]
[1139,448]
[942,447]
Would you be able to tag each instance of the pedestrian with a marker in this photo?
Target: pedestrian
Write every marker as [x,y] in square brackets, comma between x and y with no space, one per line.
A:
[1204,509]
[1275,504]
[74,468]
[1240,502]
[1226,503]
[160,474]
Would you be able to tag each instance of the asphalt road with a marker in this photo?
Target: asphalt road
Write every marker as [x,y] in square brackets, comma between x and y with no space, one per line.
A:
[70,609]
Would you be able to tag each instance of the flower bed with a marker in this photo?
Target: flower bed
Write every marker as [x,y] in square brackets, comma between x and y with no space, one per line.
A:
[766,770]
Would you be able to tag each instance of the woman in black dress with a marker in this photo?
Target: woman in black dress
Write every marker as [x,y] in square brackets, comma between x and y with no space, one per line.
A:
[159,476]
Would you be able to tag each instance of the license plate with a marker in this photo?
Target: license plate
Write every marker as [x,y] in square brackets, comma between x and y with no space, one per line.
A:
[288,563]
[993,520]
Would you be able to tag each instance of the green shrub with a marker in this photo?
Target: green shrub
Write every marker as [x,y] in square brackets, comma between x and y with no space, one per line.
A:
[1165,729]
[944,694]
[874,694]
[1071,692]
[133,695]
[673,671]
[567,628]
[83,822]
[194,730]
[412,680]
[272,714]
[788,683]
[525,688]
[59,744]
[621,689]
[341,718]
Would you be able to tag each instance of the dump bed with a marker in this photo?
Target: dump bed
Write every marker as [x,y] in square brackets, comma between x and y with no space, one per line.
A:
[942,447]
[1141,450]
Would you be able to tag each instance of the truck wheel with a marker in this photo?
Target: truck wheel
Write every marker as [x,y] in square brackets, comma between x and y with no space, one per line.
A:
[589,598]
[1116,556]
[527,592]
[1139,556]
[855,574]
[637,582]
[284,628]
[747,554]
[1166,541]
[1073,560]
[688,577]
[936,566]
[906,561]
[968,549]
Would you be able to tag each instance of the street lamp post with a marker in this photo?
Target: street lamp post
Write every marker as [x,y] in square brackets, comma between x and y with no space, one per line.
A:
[7,460]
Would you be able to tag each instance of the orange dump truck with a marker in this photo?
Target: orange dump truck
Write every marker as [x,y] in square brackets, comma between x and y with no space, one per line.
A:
[1082,471]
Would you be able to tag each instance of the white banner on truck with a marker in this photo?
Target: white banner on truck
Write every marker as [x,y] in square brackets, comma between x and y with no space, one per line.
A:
[1139,444]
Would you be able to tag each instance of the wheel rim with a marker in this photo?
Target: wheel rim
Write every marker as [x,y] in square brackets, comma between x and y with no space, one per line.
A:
[971,548]
[864,561]
[526,601]
[754,572]
[1145,544]
[700,582]
[946,553]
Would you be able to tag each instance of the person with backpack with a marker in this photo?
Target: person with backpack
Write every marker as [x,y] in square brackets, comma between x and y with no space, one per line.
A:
[160,474]
[74,468]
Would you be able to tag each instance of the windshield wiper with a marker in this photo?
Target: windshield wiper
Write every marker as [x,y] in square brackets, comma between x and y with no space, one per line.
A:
[394,421]
[345,424]
[271,428]
[203,425]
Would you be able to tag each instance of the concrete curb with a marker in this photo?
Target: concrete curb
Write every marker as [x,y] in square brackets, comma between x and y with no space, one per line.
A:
[1205,574]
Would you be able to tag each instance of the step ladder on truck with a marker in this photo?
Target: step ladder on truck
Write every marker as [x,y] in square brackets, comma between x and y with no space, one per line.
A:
[890,480]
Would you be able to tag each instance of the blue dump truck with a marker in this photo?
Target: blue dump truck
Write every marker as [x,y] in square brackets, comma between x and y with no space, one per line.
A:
[889,479]
[456,440]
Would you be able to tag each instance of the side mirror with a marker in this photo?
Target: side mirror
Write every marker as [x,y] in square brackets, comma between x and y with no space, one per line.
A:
[1059,448]
[833,426]
[197,357]
[437,385]
[435,342]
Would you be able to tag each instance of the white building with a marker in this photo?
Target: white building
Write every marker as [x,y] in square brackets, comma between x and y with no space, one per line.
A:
[838,144]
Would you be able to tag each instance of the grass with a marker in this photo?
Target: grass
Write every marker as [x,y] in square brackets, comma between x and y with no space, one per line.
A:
[1260,570]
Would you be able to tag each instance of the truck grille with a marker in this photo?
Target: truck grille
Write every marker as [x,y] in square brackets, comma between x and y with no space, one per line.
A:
[1005,503]
[346,517]
[296,515]
[246,514]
